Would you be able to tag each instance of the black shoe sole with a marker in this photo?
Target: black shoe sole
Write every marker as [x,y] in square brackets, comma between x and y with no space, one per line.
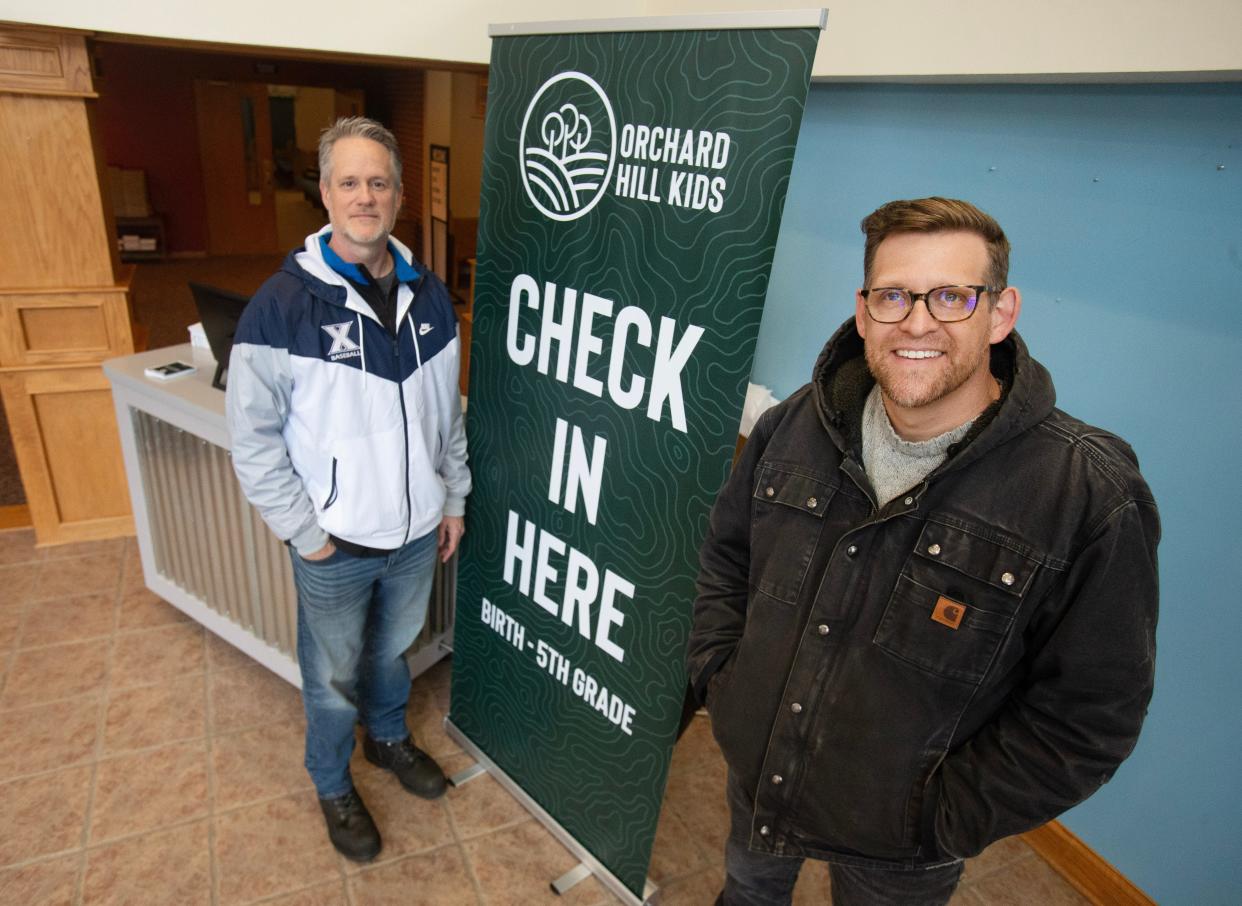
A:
[360,859]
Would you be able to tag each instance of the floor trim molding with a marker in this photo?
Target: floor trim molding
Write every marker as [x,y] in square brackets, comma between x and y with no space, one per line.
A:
[1083,867]
[15,516]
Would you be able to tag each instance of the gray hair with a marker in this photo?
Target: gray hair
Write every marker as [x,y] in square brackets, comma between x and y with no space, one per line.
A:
[357,127]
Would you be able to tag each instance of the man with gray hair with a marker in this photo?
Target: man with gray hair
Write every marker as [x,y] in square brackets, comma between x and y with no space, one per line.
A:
[347,436]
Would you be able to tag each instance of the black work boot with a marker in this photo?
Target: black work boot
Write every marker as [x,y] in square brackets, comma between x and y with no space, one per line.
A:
[416,770]
[350,827]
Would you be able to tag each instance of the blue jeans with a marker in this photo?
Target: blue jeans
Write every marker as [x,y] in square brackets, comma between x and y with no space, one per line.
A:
[762,879]
[356,618]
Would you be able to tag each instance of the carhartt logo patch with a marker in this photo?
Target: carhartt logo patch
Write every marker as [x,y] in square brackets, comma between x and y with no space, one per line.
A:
[948,613]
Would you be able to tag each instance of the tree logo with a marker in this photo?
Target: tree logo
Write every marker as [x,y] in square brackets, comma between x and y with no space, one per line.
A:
[568,146]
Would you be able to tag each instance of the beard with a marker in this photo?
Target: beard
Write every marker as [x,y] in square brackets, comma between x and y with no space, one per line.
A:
[914,387]
[366,236]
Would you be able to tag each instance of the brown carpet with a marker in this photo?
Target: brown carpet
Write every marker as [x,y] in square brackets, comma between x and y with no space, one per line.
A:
[161,292]
[163,305]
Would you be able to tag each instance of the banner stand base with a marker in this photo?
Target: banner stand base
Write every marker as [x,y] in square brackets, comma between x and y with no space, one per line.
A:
[589,864]
[571,879]
[461,778]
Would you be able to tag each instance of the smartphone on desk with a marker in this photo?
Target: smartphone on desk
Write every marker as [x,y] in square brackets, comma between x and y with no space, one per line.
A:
[170,371]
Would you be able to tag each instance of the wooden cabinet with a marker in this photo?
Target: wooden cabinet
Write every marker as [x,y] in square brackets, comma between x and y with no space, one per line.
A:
[63,327]
[62,309]
[64,431]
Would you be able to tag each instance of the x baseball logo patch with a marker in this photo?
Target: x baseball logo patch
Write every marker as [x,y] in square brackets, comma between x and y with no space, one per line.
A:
[340,337]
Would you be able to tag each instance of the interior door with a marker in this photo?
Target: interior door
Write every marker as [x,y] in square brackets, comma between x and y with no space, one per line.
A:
[235,143]
[348,102]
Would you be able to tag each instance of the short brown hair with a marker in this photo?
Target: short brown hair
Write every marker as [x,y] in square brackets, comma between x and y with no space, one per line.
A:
[935,215]
[357,127]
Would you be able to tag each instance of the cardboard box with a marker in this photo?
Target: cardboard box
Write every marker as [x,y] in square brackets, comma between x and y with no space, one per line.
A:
[129,192]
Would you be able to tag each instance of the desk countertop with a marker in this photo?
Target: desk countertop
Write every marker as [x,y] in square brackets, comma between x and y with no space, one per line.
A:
[189,402]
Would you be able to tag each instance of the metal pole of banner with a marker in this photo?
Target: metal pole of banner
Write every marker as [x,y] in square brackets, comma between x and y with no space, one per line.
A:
[588,864]
[788,18]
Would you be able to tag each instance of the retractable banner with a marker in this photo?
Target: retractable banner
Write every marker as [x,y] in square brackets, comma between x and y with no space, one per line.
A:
[633,184]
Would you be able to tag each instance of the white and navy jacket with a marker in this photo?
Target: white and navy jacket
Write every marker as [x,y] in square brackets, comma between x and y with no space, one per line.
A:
[337,428]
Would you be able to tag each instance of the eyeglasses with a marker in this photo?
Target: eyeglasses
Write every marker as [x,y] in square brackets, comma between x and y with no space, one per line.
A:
[890,304]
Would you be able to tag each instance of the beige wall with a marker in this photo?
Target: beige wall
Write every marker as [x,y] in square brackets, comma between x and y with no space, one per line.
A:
[872,39]
[865,38]
[420,29]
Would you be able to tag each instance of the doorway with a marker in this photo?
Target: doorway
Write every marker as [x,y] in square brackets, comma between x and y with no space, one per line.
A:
[257,146]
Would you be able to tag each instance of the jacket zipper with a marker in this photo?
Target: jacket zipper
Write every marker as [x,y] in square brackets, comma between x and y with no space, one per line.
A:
[332,492]
[850,467]
[405,422]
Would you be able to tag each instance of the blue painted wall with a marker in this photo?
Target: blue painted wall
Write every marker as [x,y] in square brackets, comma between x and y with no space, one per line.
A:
[1124,207]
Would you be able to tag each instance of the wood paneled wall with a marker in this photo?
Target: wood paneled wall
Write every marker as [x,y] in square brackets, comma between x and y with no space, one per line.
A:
[53,232]
[62,310]
[44,61]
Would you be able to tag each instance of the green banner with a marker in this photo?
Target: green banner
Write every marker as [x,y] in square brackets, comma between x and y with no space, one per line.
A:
[632,190]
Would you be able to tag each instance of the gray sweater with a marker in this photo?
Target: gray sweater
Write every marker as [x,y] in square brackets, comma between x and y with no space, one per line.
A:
[895,465]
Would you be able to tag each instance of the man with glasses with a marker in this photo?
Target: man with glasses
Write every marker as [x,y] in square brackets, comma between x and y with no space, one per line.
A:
[927,599]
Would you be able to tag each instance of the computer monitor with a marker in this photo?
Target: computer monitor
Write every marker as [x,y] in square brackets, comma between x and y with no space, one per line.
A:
[219,310]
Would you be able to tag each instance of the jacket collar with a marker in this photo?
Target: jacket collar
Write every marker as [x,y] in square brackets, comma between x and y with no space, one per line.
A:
[326,282]
[841,381]
[401,263]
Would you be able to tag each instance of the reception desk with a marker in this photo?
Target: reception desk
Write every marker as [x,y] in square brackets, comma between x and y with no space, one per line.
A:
[204,549]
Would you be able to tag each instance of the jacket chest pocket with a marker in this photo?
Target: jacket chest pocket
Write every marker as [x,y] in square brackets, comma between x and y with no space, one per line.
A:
[954,603]
[787,510]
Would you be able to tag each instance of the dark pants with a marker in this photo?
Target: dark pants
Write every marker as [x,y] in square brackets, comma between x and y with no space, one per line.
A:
[761,879]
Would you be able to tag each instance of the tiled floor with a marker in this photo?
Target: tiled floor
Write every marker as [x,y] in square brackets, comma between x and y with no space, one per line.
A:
[142,761]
